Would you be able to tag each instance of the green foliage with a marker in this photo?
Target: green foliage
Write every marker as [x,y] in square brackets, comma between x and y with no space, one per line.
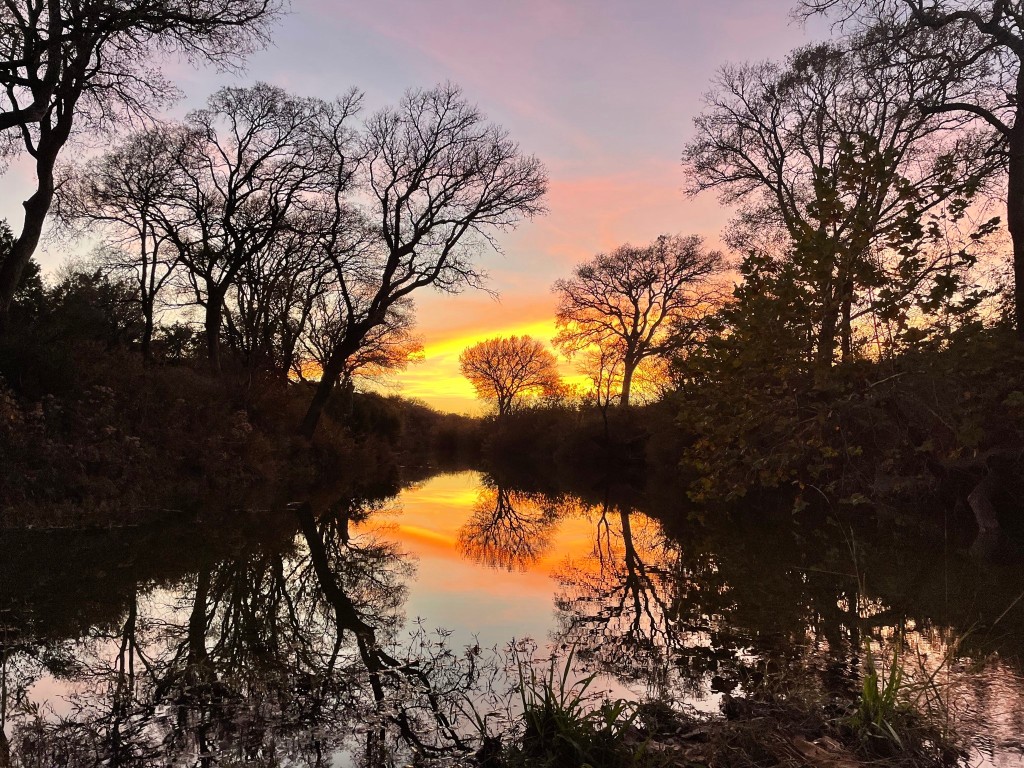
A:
[881,708]
[563,728]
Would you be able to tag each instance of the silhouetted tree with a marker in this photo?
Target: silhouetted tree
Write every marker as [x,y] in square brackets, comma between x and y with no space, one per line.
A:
[122,192]
[844,184]
[441,181]
[628,301]
[981,40]
[89,306]
[508,370]
[254,156]
[272,301]
[388,347]
[65,66]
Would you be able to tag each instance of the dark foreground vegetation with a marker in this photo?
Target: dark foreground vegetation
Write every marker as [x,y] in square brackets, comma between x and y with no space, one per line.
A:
[776,723]
[93,434]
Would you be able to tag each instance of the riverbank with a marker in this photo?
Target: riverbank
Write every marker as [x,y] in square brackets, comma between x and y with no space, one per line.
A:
[790,726]
[113,438]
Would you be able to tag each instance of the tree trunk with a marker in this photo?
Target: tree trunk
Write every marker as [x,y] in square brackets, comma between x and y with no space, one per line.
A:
[214,315]
[147,333]
[627,382]
[1015,219]
[197,653]
[980,501]
[845,331]
[36,209]
[826,346]
[331,373]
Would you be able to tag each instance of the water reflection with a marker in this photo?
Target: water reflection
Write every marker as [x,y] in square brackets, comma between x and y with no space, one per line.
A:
[290,636]
[508,528]
[274,655]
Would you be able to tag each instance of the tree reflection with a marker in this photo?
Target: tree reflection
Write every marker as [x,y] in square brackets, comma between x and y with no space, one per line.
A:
[508,529]
[615,606]
[290,647]
[688,615]
[274,656]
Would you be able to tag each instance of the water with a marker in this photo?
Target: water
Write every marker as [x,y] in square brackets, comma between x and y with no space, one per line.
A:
[303,635]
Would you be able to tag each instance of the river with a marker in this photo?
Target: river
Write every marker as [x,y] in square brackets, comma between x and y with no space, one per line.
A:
[335,632]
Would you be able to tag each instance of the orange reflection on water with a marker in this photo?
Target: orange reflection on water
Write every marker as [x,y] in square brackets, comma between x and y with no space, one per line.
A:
[460,592]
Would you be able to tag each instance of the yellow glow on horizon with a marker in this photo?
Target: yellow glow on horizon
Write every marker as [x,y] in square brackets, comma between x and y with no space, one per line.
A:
[436,379]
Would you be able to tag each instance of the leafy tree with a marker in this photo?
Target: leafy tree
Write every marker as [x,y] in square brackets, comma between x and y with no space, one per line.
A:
[984,40]
[632,302]
[508,370]
[93,307]
[30,297]
[844,185]
[67,66]
[440,182]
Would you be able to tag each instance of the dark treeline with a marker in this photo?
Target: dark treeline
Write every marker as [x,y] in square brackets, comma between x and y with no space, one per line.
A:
[255,262]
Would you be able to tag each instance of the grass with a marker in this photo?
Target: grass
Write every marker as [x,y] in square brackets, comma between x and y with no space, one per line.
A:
[564,723]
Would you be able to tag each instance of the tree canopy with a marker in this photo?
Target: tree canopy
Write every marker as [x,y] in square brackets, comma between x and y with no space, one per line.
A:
[509,370]
[67,66]
[632,303]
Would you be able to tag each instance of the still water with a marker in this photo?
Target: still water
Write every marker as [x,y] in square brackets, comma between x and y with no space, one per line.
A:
[345,631]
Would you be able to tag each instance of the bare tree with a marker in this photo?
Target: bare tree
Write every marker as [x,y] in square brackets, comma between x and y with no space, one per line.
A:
[441,181]
[507,370]
[627,302]
[508,529]
[832,149]
[64,64]
[122,192]
[389,347]
[257,156]
[273,301]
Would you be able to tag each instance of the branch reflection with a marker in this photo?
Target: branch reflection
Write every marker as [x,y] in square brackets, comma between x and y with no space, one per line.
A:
[508,529]
[275,655]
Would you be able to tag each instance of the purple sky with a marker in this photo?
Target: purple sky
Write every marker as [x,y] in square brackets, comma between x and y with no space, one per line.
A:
[603,91]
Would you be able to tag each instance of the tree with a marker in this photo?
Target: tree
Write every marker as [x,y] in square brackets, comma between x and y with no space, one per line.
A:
[507,370]
[508,529]
[272,301]
[122,192]
[843,183]
[627,302]
[440,182]
[389,347]
[242,181]
[989,37]
[67,65]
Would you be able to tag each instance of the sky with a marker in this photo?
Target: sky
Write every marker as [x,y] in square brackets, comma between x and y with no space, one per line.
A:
[604,92]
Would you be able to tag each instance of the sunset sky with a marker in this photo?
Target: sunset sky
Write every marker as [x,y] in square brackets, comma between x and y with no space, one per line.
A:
[603,91]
